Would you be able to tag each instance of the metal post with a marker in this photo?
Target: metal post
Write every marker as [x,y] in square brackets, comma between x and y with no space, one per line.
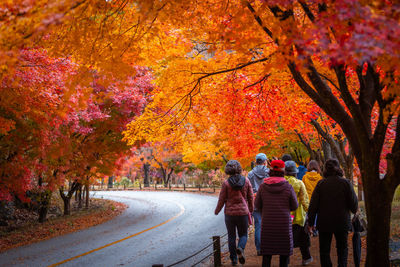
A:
[199,187]
[184,187]
[140,186]
[169,186]
[217,251]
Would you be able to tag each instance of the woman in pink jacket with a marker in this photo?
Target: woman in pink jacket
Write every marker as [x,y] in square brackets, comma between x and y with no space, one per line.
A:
[237,196]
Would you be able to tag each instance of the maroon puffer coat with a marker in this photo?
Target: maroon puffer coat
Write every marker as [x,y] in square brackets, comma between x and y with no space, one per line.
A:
[275,199]
[233,199]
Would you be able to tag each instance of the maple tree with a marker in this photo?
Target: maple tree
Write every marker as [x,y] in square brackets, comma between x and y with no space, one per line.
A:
[32,110]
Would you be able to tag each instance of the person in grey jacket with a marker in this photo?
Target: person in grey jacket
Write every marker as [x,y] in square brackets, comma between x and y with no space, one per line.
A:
[256,177]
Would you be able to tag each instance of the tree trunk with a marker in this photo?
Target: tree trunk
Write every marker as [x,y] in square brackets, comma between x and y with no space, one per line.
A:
[168,178]
[110,182]
[45,198]
[146,168]
[87,195]
[67,206]
[79,192]
[378,199]
[326,148]
[378,207]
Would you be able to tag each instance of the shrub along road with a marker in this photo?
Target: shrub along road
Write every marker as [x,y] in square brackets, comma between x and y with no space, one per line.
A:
[157,227]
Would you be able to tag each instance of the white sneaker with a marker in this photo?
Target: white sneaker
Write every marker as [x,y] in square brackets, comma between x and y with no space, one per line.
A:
[308,261]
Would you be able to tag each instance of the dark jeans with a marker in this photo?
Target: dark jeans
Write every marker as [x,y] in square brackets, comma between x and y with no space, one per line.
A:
[241,223]
[325,239]
[283,260]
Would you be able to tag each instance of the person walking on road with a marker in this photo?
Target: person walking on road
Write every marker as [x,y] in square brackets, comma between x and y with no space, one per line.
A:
[237,196]
[286,157]
[256,177]
[312,176]
[310,180]
[301,237]
[275,199]
[302,170]
[332,200]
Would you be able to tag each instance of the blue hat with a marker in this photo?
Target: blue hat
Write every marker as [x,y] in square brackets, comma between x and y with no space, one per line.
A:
[290,167]
[261,156]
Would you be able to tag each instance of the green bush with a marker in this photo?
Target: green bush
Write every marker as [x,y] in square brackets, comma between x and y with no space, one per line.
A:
[125,182]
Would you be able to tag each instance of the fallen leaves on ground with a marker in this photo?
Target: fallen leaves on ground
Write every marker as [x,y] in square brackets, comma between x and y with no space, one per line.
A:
[100,210]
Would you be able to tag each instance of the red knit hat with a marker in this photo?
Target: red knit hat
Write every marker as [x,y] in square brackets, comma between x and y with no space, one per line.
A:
[278,165]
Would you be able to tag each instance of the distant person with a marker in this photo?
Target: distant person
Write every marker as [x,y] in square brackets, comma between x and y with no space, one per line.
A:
[275,199]
[310,180]
[312,176]
[301,237]
[286,157]
[256,177]
[302,170]
[237,196]
[332,200]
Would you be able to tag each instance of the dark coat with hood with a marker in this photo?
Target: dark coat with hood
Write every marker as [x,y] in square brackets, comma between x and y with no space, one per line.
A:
[237,196]
[257,175]
[275,199]
[333,199]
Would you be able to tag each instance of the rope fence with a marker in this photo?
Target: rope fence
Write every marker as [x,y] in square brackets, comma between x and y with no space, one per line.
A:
[216,252]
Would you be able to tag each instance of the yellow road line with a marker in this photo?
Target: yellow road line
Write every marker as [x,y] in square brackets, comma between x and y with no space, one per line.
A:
[123,239]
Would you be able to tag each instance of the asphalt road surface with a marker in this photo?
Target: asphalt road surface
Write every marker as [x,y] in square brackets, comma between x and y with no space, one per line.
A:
[156,228]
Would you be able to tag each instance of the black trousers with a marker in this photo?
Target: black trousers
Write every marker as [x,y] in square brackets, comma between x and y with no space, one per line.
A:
[283,261]
[301,239]
[325,240]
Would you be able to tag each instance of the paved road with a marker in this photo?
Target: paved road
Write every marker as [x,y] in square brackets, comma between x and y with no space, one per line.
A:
[157,227]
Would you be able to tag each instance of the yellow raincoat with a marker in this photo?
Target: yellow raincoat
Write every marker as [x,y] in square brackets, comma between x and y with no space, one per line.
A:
[310,180]
[302,198]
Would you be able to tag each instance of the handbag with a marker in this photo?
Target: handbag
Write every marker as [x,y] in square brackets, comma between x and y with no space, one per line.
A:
[249,217]
[358,223]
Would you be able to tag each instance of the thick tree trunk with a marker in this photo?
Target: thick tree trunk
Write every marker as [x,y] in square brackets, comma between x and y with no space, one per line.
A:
[378,207]
[378,199]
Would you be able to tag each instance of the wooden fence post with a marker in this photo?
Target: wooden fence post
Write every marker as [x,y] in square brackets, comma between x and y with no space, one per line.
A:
[199,187]
[217,251]
[184,187]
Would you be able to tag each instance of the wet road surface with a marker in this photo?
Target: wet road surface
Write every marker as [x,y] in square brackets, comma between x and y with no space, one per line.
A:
[156,228]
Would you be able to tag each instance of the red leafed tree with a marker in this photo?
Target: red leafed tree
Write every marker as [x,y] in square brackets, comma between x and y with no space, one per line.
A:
[96,130]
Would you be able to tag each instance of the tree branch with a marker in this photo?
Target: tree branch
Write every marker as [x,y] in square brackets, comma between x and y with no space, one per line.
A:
[328,138]
[307,10]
